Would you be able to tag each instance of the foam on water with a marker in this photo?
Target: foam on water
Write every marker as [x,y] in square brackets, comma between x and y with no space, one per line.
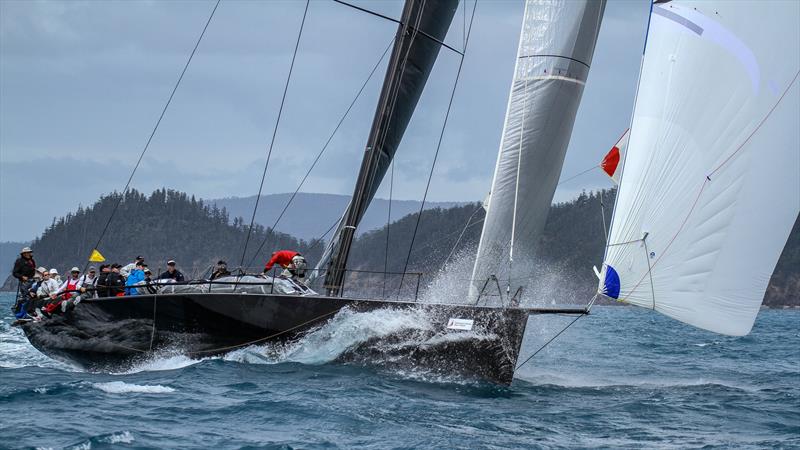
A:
[620,378]
[17,352]
[346,330]
[120,387]
[168,360]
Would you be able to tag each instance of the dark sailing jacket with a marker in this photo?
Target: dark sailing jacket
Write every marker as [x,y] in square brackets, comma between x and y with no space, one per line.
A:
[102,289]
[177,276]
[115,283]
[24,268]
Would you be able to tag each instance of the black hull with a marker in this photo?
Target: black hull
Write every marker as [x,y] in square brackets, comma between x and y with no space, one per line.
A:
[102,334]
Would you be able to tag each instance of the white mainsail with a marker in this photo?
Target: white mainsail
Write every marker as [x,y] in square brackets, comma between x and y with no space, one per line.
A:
[711,181]
[556,45]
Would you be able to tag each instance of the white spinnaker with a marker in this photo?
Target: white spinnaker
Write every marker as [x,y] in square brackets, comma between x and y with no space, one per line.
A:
[556,45]
[712,174]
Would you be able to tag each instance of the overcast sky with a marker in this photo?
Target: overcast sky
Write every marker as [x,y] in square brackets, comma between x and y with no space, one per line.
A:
[83,82]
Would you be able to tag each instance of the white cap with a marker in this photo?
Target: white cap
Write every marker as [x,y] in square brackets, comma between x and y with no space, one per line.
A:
[41,270]
[75,269]
[53,272]
[26,250]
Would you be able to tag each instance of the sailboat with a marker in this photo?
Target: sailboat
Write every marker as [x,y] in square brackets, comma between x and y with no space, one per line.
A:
[556,46]
[710,185]
[695,233]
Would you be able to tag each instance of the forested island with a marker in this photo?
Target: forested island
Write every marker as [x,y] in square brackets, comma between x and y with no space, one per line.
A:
[173,225]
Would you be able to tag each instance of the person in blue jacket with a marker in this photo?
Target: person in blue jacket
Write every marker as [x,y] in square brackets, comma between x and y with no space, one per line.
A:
[135,276]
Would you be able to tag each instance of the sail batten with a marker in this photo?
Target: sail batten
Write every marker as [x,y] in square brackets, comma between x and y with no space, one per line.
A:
[555,52]
[711,183]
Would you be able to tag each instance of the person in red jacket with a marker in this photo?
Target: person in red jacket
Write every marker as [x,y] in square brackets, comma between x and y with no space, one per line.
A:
[293,263]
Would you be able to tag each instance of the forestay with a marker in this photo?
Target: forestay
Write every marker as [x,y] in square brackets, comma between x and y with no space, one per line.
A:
[711,182]
[556,45]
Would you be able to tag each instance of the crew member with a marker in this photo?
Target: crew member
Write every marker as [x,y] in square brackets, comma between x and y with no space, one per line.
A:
[115,282]
[136,275]
[172,273]
[126,271]
[24,268]
[293,263]
[102,280]
[221,270]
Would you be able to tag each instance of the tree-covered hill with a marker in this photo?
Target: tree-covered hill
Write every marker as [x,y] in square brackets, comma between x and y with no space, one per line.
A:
[165,225]
[172,225]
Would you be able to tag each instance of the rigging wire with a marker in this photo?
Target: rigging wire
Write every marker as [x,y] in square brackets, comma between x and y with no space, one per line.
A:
[388,228]
[578,174]
[324,147]
[274,133]
[467,225]
[585,313]
[415,29]
[387,103]
[438,147]
[155,128]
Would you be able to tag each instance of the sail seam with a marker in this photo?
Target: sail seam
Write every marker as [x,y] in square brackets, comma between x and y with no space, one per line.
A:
[555,56]
[557,77]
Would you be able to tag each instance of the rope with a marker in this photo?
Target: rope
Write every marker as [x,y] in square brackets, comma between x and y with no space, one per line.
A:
[415,29]
[467,225]
[588,308]
[274,133]
[438,147]
[324,147]
[153,133]
[603,216]
[153,331]
[256,341]
[578,174]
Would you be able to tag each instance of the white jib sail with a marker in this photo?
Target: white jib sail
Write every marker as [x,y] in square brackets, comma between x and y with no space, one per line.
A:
[711,186]
[555,51]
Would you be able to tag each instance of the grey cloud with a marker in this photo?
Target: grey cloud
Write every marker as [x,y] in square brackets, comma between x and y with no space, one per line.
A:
[82,83]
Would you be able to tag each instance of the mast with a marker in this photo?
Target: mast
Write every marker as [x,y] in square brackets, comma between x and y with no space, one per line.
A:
[555,52]
[422,28]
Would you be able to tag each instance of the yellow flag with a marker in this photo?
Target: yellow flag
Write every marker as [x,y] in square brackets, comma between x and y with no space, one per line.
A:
[96,256]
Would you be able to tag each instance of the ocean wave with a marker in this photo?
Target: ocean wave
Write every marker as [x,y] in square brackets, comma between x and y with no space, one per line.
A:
[124,437]
[541,378]
[345,331]
[171,360]
[120,387]
[16,352]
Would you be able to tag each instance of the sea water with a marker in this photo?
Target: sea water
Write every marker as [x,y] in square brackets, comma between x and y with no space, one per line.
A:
[619,378]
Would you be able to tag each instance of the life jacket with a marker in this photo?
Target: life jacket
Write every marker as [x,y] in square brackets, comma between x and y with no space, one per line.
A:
[72,285]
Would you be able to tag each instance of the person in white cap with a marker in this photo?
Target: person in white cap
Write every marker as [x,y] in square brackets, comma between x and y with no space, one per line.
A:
[55,276]
[48,284]
[71,286]
[172,273]
[88,282]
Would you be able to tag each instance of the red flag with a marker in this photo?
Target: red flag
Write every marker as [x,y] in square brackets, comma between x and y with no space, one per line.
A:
[611,162]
